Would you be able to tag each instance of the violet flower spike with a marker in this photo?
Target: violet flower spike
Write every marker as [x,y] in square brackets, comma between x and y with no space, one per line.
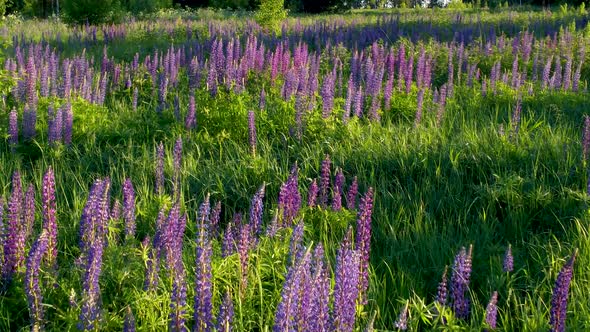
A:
[560,294]
[31,281]
[492,311]
[129,208]
[508,265]
[226,314]
[402,321]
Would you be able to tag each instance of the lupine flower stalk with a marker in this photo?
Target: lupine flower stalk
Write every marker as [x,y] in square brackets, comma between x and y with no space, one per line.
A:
[560,294]
[243,248]
[129,323]
[346,287]
[226,314]
[191,116]
[256,211]
[508,264]
[203,313]
[586,138]
[402,321]
[363,241]
[337,192]
[13,128]
[492,311]
[129,208]
[14,245]
[31,281]
[441,295]
[287,314]
[460,283]
[252,132]
[312,193]
[324,182]
[351,195]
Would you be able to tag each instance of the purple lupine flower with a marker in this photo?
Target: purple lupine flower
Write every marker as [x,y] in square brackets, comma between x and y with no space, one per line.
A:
[586,138]
[243,247]
[358,102]
[14,245]
[289,197]
[348,102]
[178,299]
[29,122]
[516,117]
[134,99]
[13,128]
[252,132]
[256,211]
[160,169]
[273,227]
[508,265]
[2,237]
[351,195]
[312,193]
[441,295]
[68,123]
[116,210]
[295,246]
[363,241]
[319,312]
[129,208]
[191,116]
[214,222]
[560,293]
[162,91]
[49,210]
[177,156]
[31,82]
[203,313]
[546,73]
[402,320]
[286,317]
[226,314]
[91,303]
[492,311]
[228,246]
[129,323]
[55,125]
[31,281]
[337,194]
[324,182]
[346,286]
[460,283]
[419,107]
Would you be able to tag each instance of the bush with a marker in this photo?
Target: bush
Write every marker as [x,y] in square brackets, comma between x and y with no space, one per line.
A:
[271,13]
[145,6]
[91,11]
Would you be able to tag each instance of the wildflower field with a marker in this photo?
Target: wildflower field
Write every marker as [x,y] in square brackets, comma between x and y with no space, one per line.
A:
[420,170]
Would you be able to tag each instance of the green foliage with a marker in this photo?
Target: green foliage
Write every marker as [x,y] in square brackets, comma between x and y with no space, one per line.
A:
[91,11]
[2,7]
[271,14]
[145,6]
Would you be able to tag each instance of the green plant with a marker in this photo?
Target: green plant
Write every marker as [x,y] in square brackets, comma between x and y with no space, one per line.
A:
[91,11]
[271,14]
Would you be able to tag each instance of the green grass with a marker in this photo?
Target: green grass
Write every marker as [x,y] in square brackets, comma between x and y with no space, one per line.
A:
[437,189]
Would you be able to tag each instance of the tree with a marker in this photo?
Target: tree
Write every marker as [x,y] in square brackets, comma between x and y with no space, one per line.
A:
[271,13]
[91,11]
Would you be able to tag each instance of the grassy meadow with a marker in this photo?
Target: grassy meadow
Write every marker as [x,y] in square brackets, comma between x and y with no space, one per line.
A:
[468,126]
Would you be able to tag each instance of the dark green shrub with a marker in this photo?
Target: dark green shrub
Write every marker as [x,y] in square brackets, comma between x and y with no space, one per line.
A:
[91,11]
